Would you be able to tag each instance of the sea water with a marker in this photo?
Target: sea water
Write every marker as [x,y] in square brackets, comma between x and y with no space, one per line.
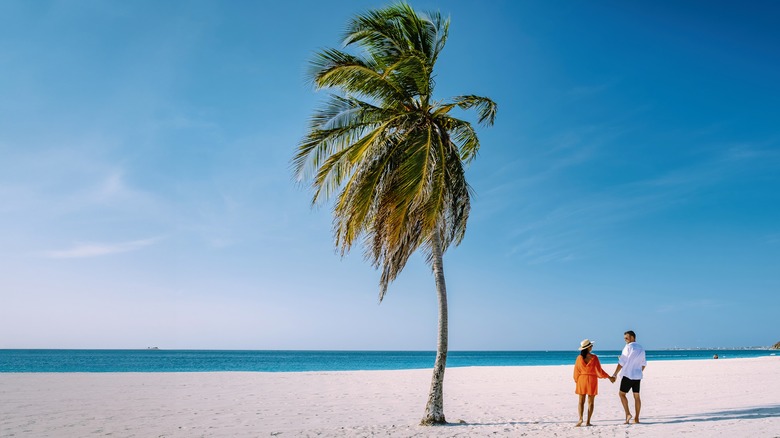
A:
[73,361]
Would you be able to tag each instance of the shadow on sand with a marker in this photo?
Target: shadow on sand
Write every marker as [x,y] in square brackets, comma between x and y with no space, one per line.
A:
[739,414]
[508,423]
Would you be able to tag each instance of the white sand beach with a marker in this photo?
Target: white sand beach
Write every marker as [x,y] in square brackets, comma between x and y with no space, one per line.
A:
[705,398]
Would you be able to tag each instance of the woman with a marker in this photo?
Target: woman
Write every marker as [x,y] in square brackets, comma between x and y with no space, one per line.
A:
[587,371]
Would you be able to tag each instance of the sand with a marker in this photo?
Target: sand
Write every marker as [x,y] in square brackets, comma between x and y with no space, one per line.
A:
[704,398]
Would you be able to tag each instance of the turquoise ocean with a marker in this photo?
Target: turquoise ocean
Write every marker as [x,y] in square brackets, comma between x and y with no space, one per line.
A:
[120,361]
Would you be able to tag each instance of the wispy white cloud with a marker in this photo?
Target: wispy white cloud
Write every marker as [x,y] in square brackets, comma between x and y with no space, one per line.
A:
[85,250]
[723,166]
[568,231]
[535,252]
[556,225]
[773,239]
[112,185]
[108,188]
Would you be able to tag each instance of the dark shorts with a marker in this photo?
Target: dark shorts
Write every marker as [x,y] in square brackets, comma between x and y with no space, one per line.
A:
[627,384]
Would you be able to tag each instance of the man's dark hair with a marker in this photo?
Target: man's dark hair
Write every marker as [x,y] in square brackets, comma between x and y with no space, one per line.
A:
[630,333]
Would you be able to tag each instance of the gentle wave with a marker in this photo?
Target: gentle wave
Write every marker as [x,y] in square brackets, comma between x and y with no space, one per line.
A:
[32,361]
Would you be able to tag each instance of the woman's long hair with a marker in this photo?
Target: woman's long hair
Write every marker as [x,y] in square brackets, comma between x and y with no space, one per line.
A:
[584,352]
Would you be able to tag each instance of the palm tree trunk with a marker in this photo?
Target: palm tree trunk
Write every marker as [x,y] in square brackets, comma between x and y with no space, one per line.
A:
[434,409]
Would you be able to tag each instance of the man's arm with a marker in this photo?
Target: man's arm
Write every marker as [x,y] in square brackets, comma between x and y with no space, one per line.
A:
[617,370]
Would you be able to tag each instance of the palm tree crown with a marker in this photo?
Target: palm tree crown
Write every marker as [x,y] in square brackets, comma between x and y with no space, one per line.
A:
[395,156]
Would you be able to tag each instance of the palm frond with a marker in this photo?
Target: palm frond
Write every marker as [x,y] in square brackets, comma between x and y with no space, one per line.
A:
[465,138]
[332,172]
[397,32]
[378,32]
[441,28]
[486,108]
[341,121]
[411,74]
[335,69]
[364,189]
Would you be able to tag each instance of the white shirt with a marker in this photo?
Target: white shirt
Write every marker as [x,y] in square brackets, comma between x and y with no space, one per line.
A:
[632,359]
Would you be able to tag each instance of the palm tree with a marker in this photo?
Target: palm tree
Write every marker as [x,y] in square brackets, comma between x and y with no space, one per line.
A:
[394,155]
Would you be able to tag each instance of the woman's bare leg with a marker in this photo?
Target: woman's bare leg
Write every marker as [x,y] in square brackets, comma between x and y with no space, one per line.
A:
[581,407]
[591,399]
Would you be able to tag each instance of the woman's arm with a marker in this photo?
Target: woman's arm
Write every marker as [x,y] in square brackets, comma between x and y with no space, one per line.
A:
[600,371]
[577,368]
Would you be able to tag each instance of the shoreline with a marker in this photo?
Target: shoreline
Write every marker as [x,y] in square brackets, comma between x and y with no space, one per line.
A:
[105,361]
[605,363]
[769,348]
[737,397]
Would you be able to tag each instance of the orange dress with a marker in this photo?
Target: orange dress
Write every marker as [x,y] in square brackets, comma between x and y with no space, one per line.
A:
[586,375]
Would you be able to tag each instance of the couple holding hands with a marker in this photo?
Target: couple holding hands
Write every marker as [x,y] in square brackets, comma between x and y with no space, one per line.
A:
[587,371]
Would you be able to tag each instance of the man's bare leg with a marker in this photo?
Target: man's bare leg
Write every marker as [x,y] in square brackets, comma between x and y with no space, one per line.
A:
[591,399]
[580,407]
[624,401]
[638,405]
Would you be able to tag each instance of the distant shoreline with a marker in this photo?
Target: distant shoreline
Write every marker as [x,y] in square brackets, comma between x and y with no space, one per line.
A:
[150,361]
[377,351]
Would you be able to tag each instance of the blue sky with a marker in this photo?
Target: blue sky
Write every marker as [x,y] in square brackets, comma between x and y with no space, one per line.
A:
[631,181]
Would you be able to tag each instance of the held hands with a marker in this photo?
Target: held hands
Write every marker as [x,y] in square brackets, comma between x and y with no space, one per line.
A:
[611,379]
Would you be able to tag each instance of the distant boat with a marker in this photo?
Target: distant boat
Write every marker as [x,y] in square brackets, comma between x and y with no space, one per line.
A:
[152,348]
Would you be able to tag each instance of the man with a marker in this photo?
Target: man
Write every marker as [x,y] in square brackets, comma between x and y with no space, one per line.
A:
[632,361]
